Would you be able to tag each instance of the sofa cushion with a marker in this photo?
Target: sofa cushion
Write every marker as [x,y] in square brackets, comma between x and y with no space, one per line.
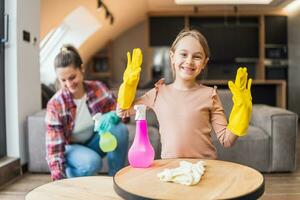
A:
[282,126]
[252,150]
[226,99]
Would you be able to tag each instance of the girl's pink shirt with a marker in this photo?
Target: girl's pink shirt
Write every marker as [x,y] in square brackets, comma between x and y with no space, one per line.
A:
[186,119]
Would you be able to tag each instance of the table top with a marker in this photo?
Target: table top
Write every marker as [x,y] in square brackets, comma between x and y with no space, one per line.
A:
[81,188]
[221,180]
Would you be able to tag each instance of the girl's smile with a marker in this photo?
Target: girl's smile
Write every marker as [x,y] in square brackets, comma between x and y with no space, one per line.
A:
[188,70]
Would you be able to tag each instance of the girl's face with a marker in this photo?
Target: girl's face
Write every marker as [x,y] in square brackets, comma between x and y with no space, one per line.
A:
[188,59]
[71,78]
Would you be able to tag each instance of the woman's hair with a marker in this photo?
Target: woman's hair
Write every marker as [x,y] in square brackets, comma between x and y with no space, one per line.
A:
[67,56]
[197,35]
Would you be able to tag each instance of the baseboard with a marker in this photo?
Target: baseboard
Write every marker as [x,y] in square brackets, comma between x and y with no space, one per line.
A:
[10,169]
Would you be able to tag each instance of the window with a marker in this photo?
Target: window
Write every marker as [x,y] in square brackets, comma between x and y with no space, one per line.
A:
[78,26]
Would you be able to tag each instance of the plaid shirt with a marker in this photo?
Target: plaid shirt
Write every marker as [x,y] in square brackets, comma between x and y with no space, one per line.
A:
[60,118]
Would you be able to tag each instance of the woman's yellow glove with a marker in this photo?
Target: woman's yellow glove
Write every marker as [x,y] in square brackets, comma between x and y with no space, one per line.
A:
[131,79]
[242,103]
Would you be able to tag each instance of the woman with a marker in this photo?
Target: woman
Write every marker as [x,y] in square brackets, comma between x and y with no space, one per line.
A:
[72,145]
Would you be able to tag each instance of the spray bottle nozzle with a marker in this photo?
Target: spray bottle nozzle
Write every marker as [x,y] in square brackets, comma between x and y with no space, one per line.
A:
[140,112]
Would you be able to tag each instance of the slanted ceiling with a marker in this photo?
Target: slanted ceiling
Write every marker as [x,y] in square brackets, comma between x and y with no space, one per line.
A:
[127,13]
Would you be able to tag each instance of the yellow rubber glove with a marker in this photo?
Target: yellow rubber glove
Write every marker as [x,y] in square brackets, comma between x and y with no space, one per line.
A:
[242,103]
[131,79]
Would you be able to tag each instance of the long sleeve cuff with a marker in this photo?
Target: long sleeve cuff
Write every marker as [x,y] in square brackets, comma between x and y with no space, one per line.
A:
[57,175]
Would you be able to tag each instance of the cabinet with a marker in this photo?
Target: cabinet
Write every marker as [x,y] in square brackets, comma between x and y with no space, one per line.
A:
[99,66]
[229,38]
[276,30]
[233,42]
[276,50]
[163,30]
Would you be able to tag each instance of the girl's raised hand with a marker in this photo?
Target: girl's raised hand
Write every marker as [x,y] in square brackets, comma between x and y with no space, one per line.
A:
[242,103]
[131,79]
[133,69]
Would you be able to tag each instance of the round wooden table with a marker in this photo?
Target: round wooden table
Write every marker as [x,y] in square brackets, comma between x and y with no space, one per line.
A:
[221,180]
[82,188]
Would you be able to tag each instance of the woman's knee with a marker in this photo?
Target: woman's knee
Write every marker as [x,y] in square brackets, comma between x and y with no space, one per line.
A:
[92,165]
[82,160]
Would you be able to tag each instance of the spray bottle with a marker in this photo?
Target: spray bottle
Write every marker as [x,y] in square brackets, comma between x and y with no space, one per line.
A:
[141,152]
[103,125]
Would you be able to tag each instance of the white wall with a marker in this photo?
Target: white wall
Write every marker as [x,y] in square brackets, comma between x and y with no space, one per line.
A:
[294,60]
[22,77]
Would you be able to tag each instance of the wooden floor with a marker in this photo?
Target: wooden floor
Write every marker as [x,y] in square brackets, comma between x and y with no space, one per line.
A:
[278,186]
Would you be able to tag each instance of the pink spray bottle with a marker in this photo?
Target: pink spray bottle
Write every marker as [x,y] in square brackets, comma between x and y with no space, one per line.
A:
[141,152]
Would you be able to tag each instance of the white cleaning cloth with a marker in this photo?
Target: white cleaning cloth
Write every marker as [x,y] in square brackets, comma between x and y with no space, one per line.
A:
[187,174]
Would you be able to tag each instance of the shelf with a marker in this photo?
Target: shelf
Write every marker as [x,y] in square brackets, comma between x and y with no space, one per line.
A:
[101,74]
[99,67]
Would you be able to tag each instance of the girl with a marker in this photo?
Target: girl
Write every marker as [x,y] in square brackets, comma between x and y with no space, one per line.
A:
[187,111]
[72,146]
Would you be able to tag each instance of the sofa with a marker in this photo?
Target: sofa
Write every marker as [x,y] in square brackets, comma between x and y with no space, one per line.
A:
[269,146]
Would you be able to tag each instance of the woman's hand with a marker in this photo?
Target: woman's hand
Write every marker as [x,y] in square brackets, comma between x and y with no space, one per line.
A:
[105,122]
[242,103]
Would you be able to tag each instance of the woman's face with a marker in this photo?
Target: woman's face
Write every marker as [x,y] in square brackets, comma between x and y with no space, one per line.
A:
[71,78]
[188,59]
